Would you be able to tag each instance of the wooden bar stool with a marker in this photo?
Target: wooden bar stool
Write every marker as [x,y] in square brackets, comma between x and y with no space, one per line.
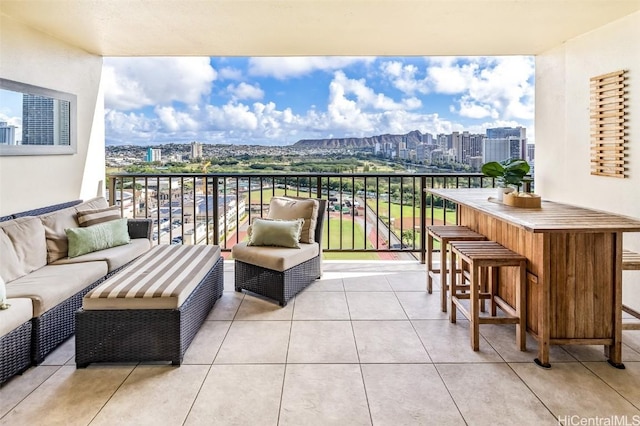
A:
[489,255]
[445,234]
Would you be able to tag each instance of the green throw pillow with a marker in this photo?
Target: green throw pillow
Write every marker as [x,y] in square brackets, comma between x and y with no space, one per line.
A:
[281,233]
[97,237]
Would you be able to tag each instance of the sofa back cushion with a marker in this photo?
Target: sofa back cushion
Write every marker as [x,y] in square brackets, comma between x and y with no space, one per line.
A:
[22,246]
[285,208]
[56,222]
[54,225]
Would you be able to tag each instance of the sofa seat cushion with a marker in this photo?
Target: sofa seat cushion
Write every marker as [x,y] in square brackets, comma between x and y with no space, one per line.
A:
[22,247]
[21,311]
[275,258]
[161,279]
[114,256]
[53,284]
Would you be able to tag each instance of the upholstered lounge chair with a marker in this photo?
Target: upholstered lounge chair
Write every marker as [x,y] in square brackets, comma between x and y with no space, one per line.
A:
[280,273]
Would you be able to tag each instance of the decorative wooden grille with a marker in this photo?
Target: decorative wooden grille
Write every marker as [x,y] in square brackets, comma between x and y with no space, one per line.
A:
[608,125]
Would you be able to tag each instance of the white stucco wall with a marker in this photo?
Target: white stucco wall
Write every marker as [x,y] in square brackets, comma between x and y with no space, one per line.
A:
[32,57]
[562,126]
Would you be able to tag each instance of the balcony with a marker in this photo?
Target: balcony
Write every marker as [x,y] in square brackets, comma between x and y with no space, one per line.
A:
[254,363]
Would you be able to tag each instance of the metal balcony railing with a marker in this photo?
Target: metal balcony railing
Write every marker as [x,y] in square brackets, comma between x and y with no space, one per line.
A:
[373,216]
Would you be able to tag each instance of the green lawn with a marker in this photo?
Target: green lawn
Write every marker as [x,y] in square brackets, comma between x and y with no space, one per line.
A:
[332,232]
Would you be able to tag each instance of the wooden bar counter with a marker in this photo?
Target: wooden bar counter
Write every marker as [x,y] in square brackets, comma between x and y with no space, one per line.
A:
[574,266]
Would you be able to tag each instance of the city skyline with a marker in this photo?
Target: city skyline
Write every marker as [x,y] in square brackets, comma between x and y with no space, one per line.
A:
[278,101]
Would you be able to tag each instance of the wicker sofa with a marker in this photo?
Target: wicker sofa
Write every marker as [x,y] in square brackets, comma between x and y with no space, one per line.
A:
[44,286]
[280,273]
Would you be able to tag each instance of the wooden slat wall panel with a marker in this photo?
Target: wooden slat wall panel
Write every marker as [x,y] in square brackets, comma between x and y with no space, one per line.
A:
[608,125]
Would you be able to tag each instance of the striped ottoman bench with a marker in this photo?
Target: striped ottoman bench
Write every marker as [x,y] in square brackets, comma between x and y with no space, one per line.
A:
[152,309]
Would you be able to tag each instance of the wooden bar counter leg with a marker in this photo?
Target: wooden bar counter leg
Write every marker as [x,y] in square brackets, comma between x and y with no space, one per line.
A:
[614,352]
[544,308]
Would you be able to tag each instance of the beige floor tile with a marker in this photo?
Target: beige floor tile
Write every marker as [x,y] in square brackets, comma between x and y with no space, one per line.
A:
[570,389]
[62,354]
[374,306]
[408,281]
[239,395]
[446,342]
[330,281]
[631,338]
[626,382]
[324,394]
[255,342]
[19,387]
[207,342]
[421,305]
[154,395]
[69,396]
[492,394]
[322,342]
[503,339]
[255,308]
[372,281]
[321,306]
[388,342]
[596,353]
[229,280]
[408,394]
[226,307]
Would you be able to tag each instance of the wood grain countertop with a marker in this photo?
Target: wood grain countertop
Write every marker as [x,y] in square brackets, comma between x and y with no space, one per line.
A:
[551,217]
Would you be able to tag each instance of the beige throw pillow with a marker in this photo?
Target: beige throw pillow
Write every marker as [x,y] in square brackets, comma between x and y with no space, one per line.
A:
[285,208]
[94,217]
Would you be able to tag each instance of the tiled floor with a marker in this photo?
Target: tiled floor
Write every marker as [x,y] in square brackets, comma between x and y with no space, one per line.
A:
[364,345]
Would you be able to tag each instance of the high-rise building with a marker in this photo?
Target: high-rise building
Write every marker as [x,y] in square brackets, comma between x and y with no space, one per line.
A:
[495,150]
[45,121]
[154,154]
[531,152]
[456,144]
[196,150]
[517,137]
[7,134]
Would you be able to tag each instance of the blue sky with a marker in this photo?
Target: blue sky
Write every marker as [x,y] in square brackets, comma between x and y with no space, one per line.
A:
[278,101]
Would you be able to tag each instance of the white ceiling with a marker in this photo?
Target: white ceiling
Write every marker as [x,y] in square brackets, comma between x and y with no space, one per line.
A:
[315,27]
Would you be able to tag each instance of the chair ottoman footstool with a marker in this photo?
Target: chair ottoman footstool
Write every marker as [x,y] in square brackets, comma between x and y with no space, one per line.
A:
[152,310]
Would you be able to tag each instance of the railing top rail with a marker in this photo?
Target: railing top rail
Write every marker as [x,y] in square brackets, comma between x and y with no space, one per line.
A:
[299,174]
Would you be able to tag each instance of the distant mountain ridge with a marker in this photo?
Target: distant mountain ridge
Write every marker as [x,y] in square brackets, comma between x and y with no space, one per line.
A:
[412,137]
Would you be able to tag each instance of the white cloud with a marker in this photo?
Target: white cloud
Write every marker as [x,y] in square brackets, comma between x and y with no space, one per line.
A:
[174,120]
[228,73]
[133,83]
[285,67]
[404,77]
[245,91]
[489,87]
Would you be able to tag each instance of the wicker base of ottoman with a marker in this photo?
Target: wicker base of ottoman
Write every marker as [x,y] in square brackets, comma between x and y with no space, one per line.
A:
[133,335]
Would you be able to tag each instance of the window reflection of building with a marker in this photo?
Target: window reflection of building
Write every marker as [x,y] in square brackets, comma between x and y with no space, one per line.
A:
[45,121]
